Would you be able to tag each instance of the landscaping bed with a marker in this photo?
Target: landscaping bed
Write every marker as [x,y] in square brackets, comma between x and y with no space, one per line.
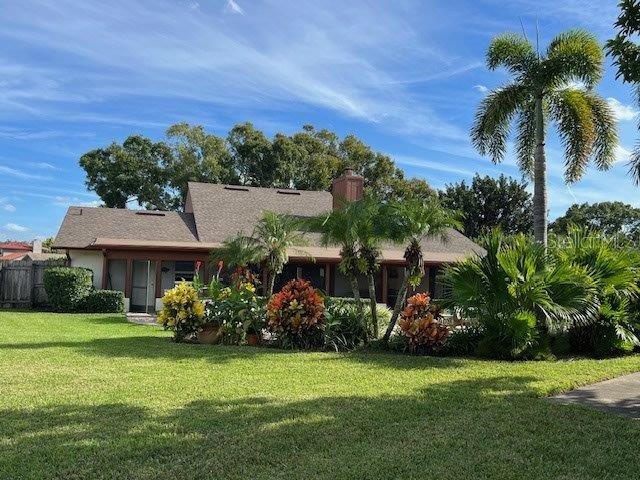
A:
[92,396]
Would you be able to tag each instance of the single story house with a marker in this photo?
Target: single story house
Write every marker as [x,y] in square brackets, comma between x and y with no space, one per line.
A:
[10,250]
[143,253]
[24,252]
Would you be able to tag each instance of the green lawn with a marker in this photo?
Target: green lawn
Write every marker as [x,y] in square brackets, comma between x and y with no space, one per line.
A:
[94,397]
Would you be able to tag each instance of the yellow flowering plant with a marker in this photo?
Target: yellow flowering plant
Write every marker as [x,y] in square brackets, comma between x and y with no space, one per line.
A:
[182,311]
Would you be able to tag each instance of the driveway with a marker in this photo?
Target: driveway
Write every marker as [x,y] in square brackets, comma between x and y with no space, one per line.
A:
[620,396]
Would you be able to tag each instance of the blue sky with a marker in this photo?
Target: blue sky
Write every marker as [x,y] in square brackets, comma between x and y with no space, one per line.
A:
[406,76]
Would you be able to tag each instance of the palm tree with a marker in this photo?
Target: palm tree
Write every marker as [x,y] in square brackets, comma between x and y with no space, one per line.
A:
[372,227]
[411,222]
[276,234]
[239,253]
[339,227]
[514,286]
[542,90]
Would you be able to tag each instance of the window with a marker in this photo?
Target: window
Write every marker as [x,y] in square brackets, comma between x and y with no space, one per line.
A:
[184,270]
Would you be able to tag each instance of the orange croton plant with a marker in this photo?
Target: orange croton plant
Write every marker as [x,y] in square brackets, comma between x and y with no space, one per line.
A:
[419,323]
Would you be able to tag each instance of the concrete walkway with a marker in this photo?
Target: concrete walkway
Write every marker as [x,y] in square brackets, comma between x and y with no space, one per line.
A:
[620,396]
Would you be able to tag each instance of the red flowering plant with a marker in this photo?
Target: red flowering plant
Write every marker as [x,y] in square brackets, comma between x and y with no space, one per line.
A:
[295,315]
[420,324]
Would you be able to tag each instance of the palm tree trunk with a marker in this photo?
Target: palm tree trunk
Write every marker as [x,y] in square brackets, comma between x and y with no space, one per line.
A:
[270,283]
[402,293]
[374,304]
[540,179]
[356,291]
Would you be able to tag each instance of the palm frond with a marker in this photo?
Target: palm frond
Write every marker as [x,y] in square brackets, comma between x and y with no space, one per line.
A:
[572,112]
[491,125]
[526,139]
[511,51]
[604,145]
[240,251]
[574,55]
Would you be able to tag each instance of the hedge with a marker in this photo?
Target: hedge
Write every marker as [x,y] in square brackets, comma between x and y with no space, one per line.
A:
[103,301]
[66,287]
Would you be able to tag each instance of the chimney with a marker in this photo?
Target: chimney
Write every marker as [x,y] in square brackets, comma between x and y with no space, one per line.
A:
[348,187]
[37,246]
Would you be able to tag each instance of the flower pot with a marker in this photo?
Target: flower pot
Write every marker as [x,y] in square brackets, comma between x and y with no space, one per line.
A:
[209,334]
[253,339]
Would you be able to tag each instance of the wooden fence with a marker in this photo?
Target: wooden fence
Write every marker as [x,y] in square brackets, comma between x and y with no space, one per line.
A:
[21,283]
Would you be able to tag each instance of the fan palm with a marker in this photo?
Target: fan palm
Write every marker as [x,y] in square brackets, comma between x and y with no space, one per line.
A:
[411,222]
[276,234]
[541,90]
[515,277]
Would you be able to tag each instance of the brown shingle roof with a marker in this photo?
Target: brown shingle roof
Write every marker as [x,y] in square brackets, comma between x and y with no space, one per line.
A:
[221,211]
[82,225]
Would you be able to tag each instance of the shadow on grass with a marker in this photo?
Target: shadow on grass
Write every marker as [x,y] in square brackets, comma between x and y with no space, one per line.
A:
[489,428]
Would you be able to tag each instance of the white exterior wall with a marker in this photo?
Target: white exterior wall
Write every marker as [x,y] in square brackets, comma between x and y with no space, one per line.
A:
[90,259]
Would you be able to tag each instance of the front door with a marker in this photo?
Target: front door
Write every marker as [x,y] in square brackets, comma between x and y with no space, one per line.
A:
[143,286]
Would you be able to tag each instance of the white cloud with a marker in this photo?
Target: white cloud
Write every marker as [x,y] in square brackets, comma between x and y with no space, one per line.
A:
[8,207]
[481,88]
[341,59]
[44,166]
[622,112]
[14,227]
[622,154]
[21,174]
[233,6]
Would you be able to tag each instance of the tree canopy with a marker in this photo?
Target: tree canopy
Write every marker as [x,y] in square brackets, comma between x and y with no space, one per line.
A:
[155,174]
[611,218]
[488,203]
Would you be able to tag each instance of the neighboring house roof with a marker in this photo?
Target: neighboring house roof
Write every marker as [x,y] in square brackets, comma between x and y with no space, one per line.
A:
[10,257]
[83,225]
[43,257]
[217,212]
[15,246]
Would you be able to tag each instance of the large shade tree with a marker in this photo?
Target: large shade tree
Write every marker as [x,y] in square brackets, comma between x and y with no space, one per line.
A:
[554,86]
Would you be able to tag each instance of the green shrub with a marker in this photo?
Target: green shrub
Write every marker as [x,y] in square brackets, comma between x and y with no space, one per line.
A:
[508,337]
[463,341]
[345,327]
[103,301]
[66,287]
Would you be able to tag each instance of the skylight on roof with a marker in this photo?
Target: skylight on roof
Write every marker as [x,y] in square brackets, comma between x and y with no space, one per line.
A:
[238,189]
[150,213]
[288,192]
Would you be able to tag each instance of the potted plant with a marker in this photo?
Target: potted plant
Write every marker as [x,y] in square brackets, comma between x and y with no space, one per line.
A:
[253,327]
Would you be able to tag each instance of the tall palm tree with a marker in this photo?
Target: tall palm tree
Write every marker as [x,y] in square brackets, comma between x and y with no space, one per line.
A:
[276,234]
[339,228]
[542,89]
[372,227]
[411,222]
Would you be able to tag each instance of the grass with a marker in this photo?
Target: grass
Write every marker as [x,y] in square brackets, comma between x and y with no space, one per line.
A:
[95,397]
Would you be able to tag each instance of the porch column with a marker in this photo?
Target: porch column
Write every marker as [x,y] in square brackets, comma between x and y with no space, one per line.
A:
[327,278]
[385,284]
[105,270]
[128,280]
[158,293]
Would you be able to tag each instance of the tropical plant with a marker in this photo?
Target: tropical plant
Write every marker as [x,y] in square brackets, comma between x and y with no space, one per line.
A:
[239,254]
[295,315]
[411,222]
[420,325]
[614,270]
[542,90]
[276,234]
[339,227]
[182,311]
[235,310]
[345,326]
[517,292]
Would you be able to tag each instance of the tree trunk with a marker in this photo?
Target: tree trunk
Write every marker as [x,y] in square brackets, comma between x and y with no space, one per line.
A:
[356,291]
[540,179]
[402,293]
[270,283]
[374,305]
